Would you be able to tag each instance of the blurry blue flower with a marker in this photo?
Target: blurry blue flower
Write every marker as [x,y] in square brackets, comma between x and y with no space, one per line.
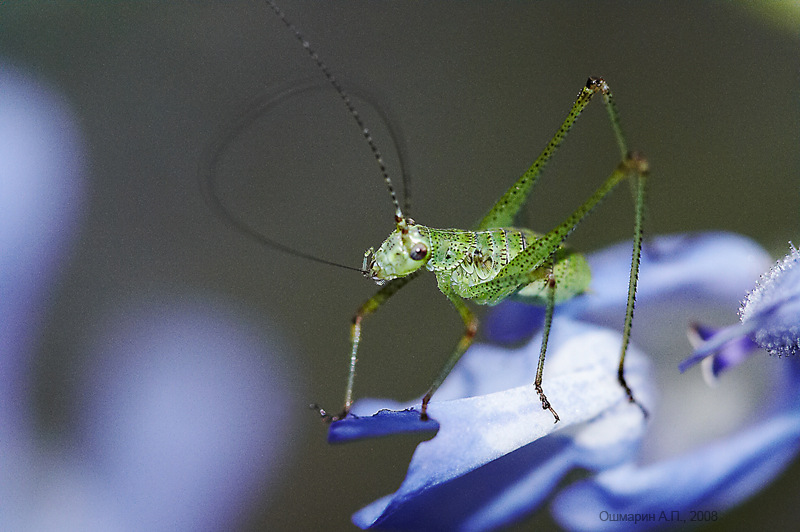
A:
[497,457]
[172,432]
[41,192]
[173,414]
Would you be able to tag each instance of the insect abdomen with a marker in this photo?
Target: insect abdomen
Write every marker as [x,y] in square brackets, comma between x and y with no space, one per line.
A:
[572,272]
[474,257]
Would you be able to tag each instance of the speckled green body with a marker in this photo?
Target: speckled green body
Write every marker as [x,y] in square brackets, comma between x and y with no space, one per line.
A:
[465,260]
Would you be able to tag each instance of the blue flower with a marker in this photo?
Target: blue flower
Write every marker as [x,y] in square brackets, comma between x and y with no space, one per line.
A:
[497,457]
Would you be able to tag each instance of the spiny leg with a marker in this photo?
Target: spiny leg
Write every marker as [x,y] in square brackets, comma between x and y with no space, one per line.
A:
[508,206]
[548,321]
[613,116]
[527,266]
[639,166]
[470,329]
[640,182]
[503,212]
[370,306]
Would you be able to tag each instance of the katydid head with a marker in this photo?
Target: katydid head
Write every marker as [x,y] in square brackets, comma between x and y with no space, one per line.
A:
[405,251]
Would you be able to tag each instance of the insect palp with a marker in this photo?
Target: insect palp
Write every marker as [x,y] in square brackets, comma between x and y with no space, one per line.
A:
[326,417]
[365,265]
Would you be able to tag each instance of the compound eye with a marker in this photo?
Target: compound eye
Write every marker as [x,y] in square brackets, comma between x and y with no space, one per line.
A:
[418,252]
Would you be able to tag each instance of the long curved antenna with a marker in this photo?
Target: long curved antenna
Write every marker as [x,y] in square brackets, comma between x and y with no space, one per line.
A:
[399,218]
[244,119]
[209,164]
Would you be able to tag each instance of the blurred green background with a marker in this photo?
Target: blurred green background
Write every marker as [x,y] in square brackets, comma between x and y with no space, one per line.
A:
[707,90]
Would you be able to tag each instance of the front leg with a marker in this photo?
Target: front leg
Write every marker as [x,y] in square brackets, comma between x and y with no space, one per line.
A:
[503,213]
[470,329]
[370,306]
[548,321]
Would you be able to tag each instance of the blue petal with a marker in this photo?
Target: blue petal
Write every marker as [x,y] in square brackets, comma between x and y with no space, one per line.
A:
[483,370]
[731,355]
[486,442]
[512,321]
[729,340]
[718,267]
[711,265]
[485,498]
[716,477]
[382,423]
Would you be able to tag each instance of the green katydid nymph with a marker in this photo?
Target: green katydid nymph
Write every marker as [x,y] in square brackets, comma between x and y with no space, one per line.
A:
[494,260]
